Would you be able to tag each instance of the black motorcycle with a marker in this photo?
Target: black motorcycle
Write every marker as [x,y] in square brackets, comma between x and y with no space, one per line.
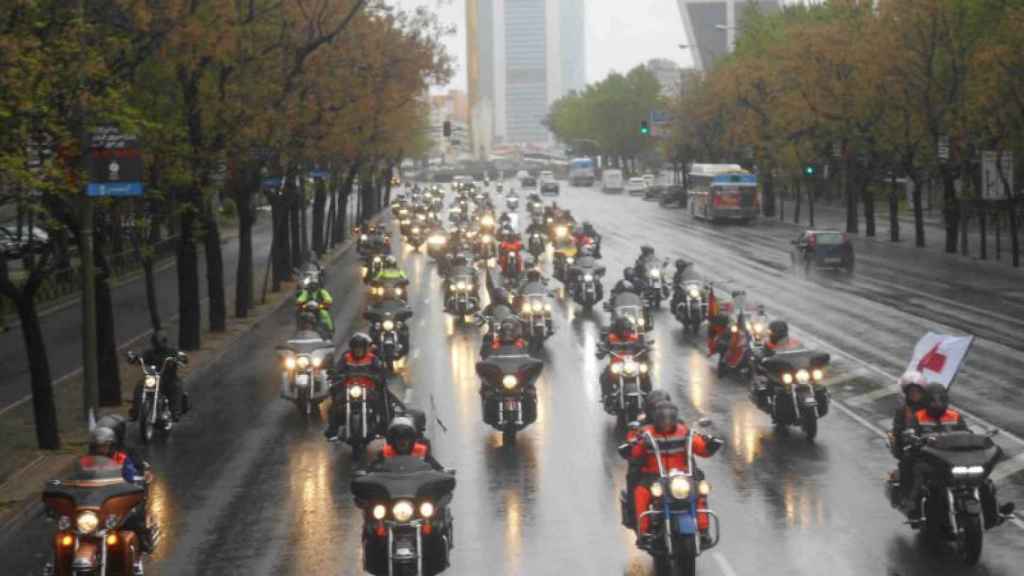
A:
[508,395]
[625,381]
[535,312]
[407,522]
[372,265]
[389,331]
[630,305]
[654,287]
[357,402]
[788,387]
[463,294]
[958,501]
[154,407]
[690,304]
[585,285]
[536,244]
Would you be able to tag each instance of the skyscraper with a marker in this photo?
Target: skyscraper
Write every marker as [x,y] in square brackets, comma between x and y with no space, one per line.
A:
[711,26]
[526,70]
[572,38]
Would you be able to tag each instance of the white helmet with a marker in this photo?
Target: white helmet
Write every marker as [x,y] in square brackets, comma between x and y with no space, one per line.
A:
[912,378]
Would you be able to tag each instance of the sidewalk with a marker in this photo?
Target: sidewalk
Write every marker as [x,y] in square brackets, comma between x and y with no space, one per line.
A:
[834,216]
[24,469]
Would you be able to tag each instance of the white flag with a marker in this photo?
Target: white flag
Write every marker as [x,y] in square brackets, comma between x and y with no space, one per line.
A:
[938,356]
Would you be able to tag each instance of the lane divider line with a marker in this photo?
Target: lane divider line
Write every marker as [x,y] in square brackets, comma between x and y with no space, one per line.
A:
[723,564]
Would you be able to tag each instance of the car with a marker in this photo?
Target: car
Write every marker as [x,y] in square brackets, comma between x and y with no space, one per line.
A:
[14,246]
[527,182]
[549,186]
[649,179]
[822,250]
[654,191]
[611,180]
[636,185]
[522,174]
[547,175]
[673,193]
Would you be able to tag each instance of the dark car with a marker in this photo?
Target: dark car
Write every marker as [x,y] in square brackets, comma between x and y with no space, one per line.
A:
[822,250]
[654,191]
[527,182]
[31,240]
[549,187]
[673,194]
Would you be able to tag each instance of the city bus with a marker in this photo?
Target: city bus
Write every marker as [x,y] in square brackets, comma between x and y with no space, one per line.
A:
[581,172]
[722,192]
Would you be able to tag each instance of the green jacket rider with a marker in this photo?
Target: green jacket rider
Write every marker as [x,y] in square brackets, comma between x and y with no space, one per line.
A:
[314,291]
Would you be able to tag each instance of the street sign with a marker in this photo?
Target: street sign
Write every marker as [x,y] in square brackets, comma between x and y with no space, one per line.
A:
[115,164]
[659,117]
[992,187]
[272,183]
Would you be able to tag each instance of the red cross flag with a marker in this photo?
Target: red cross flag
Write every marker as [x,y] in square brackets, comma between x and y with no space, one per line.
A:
[938,356]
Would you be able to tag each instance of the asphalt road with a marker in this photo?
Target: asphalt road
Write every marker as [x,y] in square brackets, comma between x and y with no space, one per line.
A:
[248,486]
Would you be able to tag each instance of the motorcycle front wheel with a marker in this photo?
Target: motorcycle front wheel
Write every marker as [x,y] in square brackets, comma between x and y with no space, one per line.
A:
[970,540]
[145,427]
[508,436]
[809,423]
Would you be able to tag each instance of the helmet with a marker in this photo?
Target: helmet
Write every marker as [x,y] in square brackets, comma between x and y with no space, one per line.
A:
[390,262]
[646,250]
[509,330]
[625,285]
[102,441]
[779,330]
[627,273]
[653,399]
[159,339]
[936,399]
[666,415]
[359,344]
[578,230]
[401,434]
[529,261]
[500,296]
[681,264]
[533,275]
[911,379]
[622,324]
[313,285]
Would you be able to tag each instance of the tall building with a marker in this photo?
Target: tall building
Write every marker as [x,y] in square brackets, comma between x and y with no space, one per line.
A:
[523,55]
[668,73]
[711,26]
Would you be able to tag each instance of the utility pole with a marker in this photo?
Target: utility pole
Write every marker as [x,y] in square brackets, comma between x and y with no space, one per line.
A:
[90,387]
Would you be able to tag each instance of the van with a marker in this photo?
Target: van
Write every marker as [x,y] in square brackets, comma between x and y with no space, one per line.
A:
[611,181]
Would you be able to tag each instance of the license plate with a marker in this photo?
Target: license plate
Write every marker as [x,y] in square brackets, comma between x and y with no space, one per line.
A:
[511,404]
[302,379]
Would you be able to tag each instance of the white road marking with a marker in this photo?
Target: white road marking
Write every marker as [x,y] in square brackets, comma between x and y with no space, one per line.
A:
[415,353]
[859,419]
[723,564]
[408,396]
[868,397]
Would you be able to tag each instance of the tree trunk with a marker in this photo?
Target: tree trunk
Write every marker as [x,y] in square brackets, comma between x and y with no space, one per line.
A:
[244,273]
[950,210]
[151,299]
[108,370]
[868,197]
[1014,239]
[812,193]
[188,284]
[982,229]
[319,202]
[918,212]
[303,224]
[894,207]
[44,410]
[215,272]
[797,201]
[768,190]
[852,225]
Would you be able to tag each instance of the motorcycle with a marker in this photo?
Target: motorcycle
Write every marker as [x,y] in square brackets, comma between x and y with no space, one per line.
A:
[508,394]
[407,522]
[372,266]
[628,374]
[787,386]
[416,236]
[958,500]
[536,244]
[512,266]
[463,297]
[585,286]
[384,290]
[674,514]
[655,289]
[630,305]
[564,256]
[389,331]
[310,310]
[691,305]
[356,400]
[486,247]
[154,406]
[437,243]
[92,509]
[303,378]
[536,317]
[512,202]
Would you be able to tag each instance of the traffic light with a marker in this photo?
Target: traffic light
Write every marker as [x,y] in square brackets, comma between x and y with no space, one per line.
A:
[645,127]
[447,129]
[810,170]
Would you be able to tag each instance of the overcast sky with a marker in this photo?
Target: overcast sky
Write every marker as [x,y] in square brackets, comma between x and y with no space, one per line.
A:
[620,34]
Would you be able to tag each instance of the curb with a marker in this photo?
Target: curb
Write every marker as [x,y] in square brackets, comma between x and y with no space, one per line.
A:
[32,506]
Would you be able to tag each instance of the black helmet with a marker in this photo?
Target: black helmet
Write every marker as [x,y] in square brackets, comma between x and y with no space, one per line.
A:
[401,434]
[390,262]
[646,250]
[681,264]
[588,227]
[936,399]
[159,340]
[653,399]
[500,296]
[626,286]
[779,330]
[666,415]
[627,273]
[102,441]
[359,344]
[533,275]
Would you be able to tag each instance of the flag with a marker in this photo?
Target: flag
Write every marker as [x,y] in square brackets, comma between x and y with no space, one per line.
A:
[938,356]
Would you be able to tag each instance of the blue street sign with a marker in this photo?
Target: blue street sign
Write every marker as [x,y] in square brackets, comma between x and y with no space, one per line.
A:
[273,183]
[113,189]
[319,174]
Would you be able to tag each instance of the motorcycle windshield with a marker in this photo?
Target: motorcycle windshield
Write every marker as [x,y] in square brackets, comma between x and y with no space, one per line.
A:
[626,300]
[389,309]
[95,480]
[796,360]
[962,448]
[524,366]
[307,345]
[402,477]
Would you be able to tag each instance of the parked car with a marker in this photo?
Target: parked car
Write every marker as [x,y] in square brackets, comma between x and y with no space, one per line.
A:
[31,240]
[673,194]
[822,250]
[636,185]
[654,191]
[548,186]
[527,182]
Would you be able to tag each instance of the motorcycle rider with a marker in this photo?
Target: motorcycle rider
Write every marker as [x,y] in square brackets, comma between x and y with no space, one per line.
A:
[390,272]
[533,283]
[404,439]
[586,235]
[684,273]
[313,291]
[510,242]
[160,350]
[104,442]
[912,383]
[779,339]
[621,337]
[670,433]
[645,259]
[361,359]
[626,284]
[932,417]
[584,261]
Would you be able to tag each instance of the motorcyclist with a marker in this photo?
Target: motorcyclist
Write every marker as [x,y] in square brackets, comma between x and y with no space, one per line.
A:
[532,284]
[404,439]
[160,350]
[912,383]
[510,242]
[585,260]
[684,273]
[779,339]
[313,291]
[359,359]
[390,272]
[105,442]
[594,238]
[621,337]
[934,416]
[626,284]
[645,259]
[509,336]
[670,433]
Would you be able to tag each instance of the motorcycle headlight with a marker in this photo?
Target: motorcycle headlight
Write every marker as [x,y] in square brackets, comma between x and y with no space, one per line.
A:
[150,381]
[640,322]
[302,362]
[461,285]
[734,328]
[87,522]
[758,327]
[569,259]
[509,381]
[415,229]
[643,368]
[317,361]
[389,325]
[355,392]
[694,293]
[616,368]
[402,510]
[426,509]
[405,222]
[655,273]
[703,488]
[630,367]
[379,511]
[437,240]
[588,277]
[561,231]
[486,238]
[364,237]
[289,363]
[787,378]
[802,376]
[376,260]
[487,221]
[966,471]
[657,490]
[680,487]
[398,291]
[817,374]
[547,307]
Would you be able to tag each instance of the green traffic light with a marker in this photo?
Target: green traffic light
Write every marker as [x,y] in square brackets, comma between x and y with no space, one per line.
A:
[809,170]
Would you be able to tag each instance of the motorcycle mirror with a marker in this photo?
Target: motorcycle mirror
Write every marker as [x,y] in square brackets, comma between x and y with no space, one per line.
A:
[182,357]
[450,471]
[704,422]
[131,356]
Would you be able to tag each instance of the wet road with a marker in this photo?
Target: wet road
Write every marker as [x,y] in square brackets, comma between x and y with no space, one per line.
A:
[247,486]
